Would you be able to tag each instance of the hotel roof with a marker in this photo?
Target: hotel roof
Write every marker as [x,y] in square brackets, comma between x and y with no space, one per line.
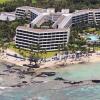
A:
[32,8]
[80,12]
[84,11]
[7,16]
[25,7]
[24,28]
[38,9]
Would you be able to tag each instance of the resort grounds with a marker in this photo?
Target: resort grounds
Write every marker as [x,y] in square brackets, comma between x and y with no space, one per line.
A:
[59,60]
[3,1]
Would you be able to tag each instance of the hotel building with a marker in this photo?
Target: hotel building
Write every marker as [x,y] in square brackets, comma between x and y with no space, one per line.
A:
[49,39]
[88,15]
[22,12]
[79,17]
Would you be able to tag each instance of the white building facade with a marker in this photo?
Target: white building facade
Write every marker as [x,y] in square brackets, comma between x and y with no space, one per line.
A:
[49,39]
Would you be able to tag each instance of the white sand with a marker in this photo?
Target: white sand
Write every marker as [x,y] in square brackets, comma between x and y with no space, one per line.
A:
[91,59]
[13,60]
[49,64]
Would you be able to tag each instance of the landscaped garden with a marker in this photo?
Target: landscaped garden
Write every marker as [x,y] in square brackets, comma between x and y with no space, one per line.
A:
[2,1]
[26,53]
[33,1]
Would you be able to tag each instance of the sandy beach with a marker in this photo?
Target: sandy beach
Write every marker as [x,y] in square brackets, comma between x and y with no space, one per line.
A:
[15,78]
[44,66]
[91,59]
[49,64]
[12,59]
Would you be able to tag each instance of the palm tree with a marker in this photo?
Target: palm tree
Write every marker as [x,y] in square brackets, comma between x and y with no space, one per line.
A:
[93,47]
[45,53]
[2,45]
[38,49]
[34,47]
[19,48]
[30,53]
[6,45]
[65,47]
[31,48]
[59,48]
[30,59]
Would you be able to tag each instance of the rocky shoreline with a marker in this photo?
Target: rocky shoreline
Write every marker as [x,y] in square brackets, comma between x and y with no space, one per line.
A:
[16,76]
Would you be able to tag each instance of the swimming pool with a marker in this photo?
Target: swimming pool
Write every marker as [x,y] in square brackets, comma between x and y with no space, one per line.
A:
[92,38]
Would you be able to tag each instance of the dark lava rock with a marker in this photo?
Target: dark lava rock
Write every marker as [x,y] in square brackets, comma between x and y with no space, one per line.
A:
[96,81]
[59,78]
[45,74]
[24,81]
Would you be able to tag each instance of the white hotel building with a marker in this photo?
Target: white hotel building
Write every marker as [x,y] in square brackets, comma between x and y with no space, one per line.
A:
[49,39]
[88,15]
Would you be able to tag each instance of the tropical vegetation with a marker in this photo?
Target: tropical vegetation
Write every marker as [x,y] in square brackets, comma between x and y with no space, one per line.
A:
[7,29]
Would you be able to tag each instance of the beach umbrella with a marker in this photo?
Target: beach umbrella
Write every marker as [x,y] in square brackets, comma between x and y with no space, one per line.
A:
[84,46]
[78,51]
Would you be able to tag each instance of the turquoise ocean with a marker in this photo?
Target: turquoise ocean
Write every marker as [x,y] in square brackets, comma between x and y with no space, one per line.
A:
[73,72]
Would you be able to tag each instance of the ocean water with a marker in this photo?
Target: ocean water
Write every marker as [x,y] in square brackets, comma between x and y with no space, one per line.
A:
[47,91]
[81,72]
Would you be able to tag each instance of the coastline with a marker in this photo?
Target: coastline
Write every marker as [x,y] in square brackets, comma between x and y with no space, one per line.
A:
[49,64]
[60,64]
[13,60]
[14,81]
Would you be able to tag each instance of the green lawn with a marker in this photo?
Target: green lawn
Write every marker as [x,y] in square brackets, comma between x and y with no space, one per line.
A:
[33,1]
[26,53]
[2,1]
